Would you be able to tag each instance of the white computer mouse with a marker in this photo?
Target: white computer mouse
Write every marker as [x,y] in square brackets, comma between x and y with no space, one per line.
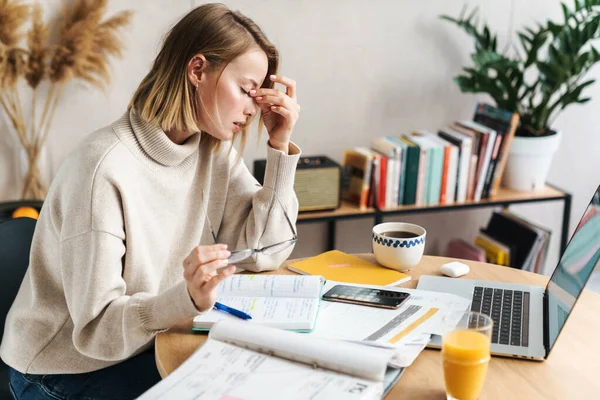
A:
[455,269]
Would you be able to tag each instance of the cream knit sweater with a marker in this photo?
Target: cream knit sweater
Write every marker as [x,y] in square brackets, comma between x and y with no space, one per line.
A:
[124,210]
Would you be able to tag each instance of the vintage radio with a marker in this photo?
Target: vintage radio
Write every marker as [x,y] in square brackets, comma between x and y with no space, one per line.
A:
[317,182]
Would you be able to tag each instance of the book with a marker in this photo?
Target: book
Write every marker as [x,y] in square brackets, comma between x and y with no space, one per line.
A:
[341,267]
[373,196]
[463,142]
[488,140]
[394,166]
[449,170]
[459,248]
[382,189]
[421,170]
[356,177]
[371,174]
[432,166]
[474,161]
[402,184]
[496,252]
[281,301]
[505,123]
[412,171]
[240,360]
[540,249]
[510,231]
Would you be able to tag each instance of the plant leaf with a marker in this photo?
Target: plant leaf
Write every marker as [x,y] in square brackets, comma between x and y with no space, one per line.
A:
[538,40]
[547,71]
[595,54]
[566,12]
[573,96]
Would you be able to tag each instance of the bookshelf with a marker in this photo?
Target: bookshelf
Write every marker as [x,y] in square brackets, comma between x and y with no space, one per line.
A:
[504,198]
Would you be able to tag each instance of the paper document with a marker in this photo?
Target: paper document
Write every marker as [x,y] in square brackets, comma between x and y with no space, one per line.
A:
[244,361]
[421,313]
[223,371]
[405,351]
[408,328]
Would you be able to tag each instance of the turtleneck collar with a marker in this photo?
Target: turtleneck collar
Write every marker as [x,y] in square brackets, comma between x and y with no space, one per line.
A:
[156,144]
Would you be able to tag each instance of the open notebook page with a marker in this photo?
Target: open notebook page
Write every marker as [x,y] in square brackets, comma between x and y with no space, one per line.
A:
[279,312]
[286,302]
[349,358]
[270,286]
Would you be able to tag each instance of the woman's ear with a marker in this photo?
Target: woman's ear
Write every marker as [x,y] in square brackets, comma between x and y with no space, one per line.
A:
[196,69]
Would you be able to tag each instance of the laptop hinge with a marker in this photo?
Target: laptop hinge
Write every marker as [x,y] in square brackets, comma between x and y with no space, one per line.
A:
[546,323]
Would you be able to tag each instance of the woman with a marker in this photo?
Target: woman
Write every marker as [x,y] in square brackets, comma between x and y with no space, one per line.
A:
[115,256]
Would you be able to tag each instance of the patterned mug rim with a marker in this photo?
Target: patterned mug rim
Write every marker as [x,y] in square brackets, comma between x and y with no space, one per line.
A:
[398,243]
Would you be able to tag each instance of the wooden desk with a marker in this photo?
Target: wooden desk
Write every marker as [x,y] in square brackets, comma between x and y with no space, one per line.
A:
[572,370]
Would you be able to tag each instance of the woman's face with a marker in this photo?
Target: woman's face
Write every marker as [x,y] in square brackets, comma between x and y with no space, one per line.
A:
[225,105]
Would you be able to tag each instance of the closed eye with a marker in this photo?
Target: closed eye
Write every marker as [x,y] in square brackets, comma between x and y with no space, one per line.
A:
[246,92]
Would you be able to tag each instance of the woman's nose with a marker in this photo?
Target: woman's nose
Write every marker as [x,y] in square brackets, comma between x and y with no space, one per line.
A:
[251,109]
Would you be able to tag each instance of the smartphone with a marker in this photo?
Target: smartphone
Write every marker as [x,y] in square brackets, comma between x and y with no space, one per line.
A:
[366,296]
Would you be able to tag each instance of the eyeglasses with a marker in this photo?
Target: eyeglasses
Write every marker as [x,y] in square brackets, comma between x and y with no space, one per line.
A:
[240,255]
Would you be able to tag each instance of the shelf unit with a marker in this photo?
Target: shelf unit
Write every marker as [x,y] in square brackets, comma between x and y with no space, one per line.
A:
[504,198]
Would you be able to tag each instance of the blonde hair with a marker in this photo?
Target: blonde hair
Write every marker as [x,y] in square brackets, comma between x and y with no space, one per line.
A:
[165,96]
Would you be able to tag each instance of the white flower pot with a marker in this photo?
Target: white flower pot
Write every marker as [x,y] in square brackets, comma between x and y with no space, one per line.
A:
[529,160]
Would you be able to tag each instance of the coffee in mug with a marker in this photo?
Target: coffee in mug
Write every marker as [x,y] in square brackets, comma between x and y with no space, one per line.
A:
[398,245]
[399,234]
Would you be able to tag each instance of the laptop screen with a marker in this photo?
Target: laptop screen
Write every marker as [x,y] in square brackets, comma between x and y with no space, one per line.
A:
[577,263]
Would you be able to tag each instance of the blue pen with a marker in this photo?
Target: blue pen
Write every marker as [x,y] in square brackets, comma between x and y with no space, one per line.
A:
[232,311]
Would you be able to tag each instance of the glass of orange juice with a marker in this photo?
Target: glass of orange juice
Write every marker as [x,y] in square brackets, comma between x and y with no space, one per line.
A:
[466,354]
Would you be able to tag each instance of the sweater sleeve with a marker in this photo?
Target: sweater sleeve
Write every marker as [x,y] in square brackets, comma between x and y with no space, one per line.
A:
[110,324]
[253,217]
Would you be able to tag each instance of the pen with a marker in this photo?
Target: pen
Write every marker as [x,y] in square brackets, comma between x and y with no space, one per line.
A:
[232,311]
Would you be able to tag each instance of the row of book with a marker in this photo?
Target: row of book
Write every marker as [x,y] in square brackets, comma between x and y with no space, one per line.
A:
[463,161]
[508,240]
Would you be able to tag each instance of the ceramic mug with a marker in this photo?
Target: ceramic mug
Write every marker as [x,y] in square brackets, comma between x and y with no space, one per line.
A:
[399,253]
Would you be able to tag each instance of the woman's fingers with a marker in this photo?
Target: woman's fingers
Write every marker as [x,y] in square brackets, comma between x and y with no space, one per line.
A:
[266,92]
[282,111]
[290,84]
[283,101]
[201,251]
[208,270]
[205,254]
[212,284]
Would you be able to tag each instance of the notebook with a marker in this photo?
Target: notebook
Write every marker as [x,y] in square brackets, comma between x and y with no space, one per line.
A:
[459,248]
[510,231]
[341,267]
[281,301]
[496,252]
[241,360]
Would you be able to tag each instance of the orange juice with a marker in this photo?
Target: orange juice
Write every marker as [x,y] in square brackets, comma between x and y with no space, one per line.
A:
[466,355]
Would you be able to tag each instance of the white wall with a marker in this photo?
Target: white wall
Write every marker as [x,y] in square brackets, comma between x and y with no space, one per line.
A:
[364,69]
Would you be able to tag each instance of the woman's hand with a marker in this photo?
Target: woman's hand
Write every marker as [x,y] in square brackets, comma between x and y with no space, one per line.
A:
[200,273]
[280,111]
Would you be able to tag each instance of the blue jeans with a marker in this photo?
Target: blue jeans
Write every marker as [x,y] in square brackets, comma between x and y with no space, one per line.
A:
[126,380]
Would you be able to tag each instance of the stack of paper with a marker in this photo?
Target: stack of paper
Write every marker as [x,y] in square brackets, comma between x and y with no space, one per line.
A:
[408,329]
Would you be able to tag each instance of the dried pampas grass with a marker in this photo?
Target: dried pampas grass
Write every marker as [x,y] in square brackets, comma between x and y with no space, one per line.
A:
[86,42]
[36,40]
[13,15]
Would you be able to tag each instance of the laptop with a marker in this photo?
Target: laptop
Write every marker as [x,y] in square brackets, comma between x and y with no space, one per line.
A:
[528,319]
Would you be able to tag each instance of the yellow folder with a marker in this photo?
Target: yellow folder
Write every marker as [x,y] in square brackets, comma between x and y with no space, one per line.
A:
[341,267]
[495,252]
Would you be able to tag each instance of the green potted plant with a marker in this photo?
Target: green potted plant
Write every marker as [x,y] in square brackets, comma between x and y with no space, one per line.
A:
[537,78]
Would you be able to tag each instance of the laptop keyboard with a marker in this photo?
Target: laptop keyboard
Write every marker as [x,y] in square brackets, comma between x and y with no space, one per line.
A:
[510,311]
